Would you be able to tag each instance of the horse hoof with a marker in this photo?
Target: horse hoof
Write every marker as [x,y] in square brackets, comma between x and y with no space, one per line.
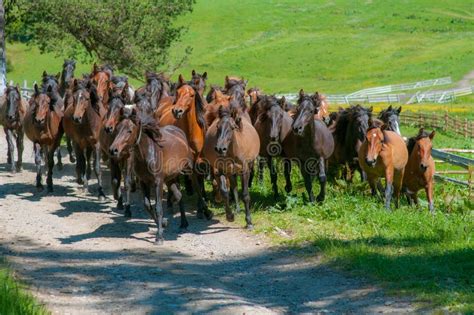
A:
[288,188]
[208,214]
[72,159]
[249,227]
[80,181]
[320,198]
[230,217]
[127,213]
[183,229]
[101,197]
[158,241]
[60,167]
[119,205]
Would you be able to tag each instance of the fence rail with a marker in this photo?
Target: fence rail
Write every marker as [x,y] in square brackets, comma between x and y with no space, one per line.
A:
[457,160]
[444,121]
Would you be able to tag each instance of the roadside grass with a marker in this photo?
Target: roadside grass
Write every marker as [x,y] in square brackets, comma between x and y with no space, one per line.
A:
[13,297]
[407,251]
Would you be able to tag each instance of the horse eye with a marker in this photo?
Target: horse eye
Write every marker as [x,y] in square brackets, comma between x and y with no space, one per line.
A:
[129,131]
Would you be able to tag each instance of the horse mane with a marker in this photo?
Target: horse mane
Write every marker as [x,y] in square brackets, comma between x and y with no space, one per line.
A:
[209,98]
[200,110]
[150,126]
[412,141]
[376,123]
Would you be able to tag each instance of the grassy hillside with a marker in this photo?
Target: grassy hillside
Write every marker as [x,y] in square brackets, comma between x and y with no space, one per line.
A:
[332,46]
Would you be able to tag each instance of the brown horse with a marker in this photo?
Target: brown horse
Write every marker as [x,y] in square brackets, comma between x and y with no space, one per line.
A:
[187,113]
[212,109]
[235,87]
[273,124]
[101,77]
[231,147]
[323,105]
[198,81]
[253,94]
[310,144]
[83,123]
[384,153]
[42,125]
[161,154]
[420,169]
[124,164]
[12,113]
[156,89]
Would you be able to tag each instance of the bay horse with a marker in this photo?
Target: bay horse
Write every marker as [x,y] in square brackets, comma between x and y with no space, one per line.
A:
[67,75]
[323,105]
[119,84]
[349,133]
[198,81]
[83,123]
[420,169]
[157,89]
[13,109]
[235,87]
[391,118]
[273,124]
[187,113]
[310,144]
[384,154]
[42,125]
[101,77]
[212,109]
[231,147]
[161,154]
[117,100]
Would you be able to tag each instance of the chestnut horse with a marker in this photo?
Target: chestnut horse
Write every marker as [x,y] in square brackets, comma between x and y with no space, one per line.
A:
[253,93]
[212,109]
[42,125]
[323,105]
[83,122]
[12,113]
[161,154]
[310,144]
[273,124]
[384,153]
[108,133]
[231,147]
[101,77]
[391,119]
[420,169]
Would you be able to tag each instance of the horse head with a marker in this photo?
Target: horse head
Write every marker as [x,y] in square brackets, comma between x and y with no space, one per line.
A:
[305,113]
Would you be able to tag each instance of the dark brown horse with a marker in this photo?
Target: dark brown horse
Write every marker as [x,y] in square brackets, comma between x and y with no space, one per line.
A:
[231,147]
[67,75]
[420,169]
[310,144]
[123,164]
[349,133]
[157,89]
[391,118]
[235,87]
[13,109]
[42,125]
[161,154]
[273,124]
[198,81]
[384,154]
[83,122]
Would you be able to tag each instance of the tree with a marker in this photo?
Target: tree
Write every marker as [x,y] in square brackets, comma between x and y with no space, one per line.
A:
[131,35]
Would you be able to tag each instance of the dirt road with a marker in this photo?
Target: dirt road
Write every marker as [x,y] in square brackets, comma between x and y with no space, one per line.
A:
[80,256]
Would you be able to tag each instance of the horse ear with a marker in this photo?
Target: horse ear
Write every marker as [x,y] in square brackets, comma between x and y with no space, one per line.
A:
[301,93]
[371,109]
[226,79]
[181,80]
[204,75]
[125,91]
[399,110]
[282,102]
[245,82]
[58,75]
[193,72]
[45,73]
[389,108]
[17,87]
[95,68]
[420,132]
[36,89]
[432,134]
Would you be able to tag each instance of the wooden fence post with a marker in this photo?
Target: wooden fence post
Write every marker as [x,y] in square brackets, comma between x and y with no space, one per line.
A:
[446,120]
[465,127]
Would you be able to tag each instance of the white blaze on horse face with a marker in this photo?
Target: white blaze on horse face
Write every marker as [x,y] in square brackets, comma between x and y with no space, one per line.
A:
[374,135]
[397,129]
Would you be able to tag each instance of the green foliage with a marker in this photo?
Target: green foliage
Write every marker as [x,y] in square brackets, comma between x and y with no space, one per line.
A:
[133,36]
[13,299]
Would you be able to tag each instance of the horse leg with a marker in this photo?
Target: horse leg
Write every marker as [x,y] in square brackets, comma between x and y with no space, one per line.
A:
[397,186]
[38,160]
[322,180]
[179,198]
[11,148]
[19,148]
[222,182]
[50,160]
[98,172]
[429,196]
[307,182]
[115,177]
[88,163]
[127,186]
[203,210]
[235,190]
[372,184]
[273,177]
[80,157]
[261,166]
[389,177]
[159,210]
[246,198]
[70,150]
[287,172]
[59,157]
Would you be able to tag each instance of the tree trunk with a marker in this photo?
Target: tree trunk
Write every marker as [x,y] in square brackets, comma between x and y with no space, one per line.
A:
[3,59]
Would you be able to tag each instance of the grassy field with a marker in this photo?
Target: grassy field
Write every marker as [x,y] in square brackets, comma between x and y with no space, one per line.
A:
[409,251]
[13,298]
[333,46]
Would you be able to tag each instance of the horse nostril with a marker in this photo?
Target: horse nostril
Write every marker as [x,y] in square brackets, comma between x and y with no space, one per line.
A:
[11,117]
[113,151]
[370,162]
[108,129]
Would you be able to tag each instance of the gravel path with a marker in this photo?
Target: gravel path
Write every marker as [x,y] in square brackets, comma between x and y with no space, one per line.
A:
[80,256]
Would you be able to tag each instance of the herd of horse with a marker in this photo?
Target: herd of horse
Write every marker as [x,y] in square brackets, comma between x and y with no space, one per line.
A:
[165,133]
